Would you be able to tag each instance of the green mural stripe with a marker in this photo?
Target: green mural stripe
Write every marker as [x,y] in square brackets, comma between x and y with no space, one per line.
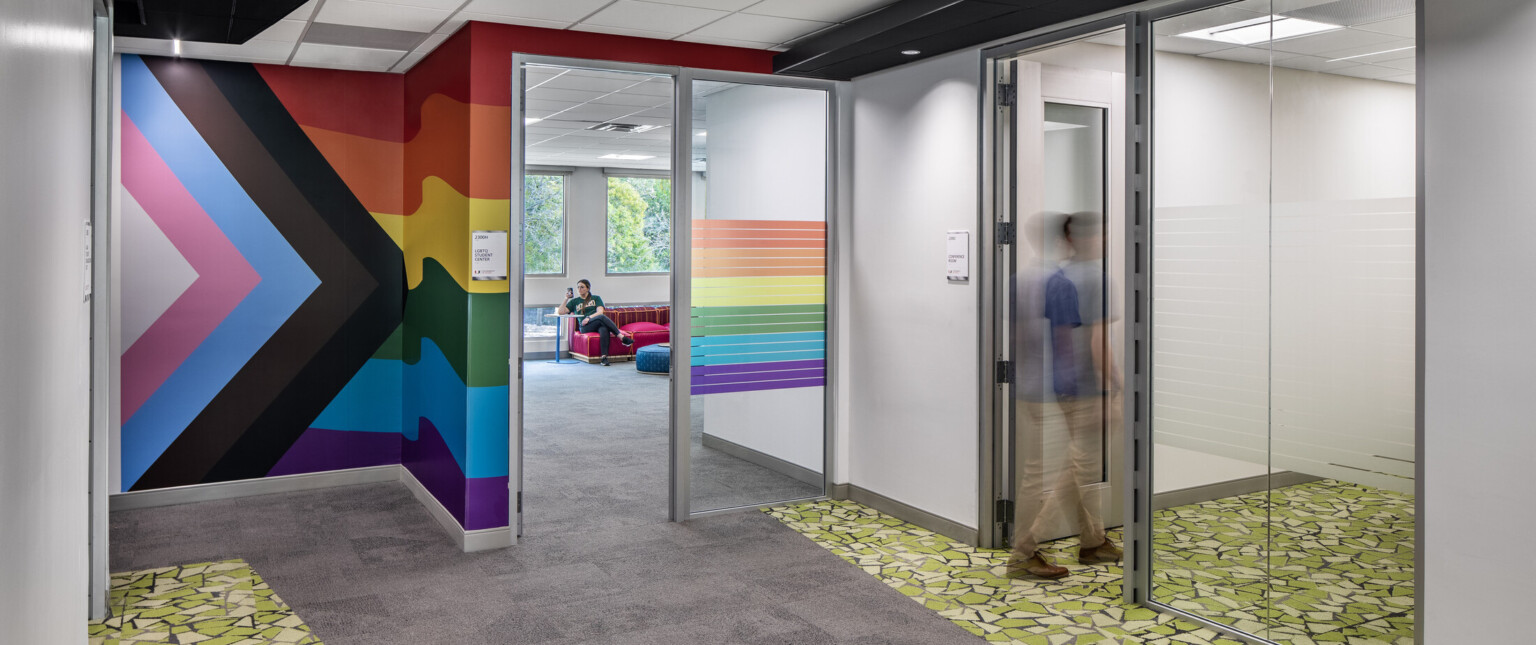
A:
[438,309]
[756,310]
[734,330]
[756,320]
[489,340]
[393,348]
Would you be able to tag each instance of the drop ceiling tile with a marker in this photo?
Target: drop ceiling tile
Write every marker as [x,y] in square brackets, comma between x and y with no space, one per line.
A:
[1249,55]
[547,107]
[338,57]
[621,31]
[512,20]
[567,11]
[818,10]
[654,17]
[725,42]
[1315,64]
[602,84]
[444,5]
[593,113]
[384,16]
[1177,45]
[1410,79]
[1402,26]
[1113,38]
[638,100]
[721,5]
[1223,15]
[767,29]
[1395,50]
[265,50]
[1331,41]
[1369,71]
[1404,64]
[569,97]
[430,43]
[284,30]
[408,62]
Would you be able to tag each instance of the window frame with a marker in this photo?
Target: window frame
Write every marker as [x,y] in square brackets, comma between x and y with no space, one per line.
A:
[565,220]
[634,173]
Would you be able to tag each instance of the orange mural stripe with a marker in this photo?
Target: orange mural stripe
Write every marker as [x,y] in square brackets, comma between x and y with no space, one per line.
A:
[371,168]
[782,225]
[819,253]
[728,233]
[760,244]
[490,152]
[758,262]
[756,273]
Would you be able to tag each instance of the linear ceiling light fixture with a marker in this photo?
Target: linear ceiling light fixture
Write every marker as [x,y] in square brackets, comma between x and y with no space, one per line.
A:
[1388,51]
[530,120]
[1260,30]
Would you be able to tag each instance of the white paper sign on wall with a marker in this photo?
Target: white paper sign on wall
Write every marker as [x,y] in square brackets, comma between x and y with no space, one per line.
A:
[488,255]
[958,264]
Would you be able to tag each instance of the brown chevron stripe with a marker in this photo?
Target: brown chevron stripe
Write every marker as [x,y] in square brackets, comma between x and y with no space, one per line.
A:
[344,285]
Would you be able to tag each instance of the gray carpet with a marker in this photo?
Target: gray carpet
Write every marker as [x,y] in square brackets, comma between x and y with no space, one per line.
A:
[599,562]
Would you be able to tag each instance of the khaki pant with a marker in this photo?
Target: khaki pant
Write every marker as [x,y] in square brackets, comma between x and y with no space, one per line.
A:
[1082,419]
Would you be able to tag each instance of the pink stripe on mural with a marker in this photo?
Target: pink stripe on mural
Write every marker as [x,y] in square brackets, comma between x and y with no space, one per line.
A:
[223,276]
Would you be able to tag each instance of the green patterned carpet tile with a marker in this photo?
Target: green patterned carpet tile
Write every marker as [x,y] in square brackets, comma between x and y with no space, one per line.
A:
[210,603]
[1339,570]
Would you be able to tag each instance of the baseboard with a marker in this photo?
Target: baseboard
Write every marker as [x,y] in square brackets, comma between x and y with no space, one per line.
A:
[906,513]
[789,469]
[480,540]
[1231,488]
[249,487]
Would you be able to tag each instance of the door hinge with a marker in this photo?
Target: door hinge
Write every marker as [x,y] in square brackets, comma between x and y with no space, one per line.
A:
[1004,372]
[1002,511]
[1007,233]
[1007,94]
[519,501]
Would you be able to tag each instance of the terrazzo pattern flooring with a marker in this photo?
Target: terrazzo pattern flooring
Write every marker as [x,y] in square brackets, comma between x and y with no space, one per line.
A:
[1340,599]
[210,603]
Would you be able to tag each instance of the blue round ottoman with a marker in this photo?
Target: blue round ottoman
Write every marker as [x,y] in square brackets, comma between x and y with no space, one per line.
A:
[654,359]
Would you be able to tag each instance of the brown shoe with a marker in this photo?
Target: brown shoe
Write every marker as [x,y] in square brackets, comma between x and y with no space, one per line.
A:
[1106,552]
[1035,565]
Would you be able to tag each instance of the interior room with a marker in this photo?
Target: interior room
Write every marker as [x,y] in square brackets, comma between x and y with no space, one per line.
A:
[923,321]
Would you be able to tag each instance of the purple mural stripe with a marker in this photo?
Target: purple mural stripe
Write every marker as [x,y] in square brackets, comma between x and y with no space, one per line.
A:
[319,450]
[760,385]
[706,370]
[488,503]
[429,459]
[721,379]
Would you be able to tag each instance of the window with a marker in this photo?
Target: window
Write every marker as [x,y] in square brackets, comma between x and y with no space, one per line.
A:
[639,225]
[544,224]
[538,322]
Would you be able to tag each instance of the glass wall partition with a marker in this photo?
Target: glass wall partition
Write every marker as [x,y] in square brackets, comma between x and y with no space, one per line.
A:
[1283,271]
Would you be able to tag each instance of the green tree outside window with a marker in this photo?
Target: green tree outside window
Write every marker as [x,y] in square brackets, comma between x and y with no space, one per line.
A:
[543,224]
[639,225]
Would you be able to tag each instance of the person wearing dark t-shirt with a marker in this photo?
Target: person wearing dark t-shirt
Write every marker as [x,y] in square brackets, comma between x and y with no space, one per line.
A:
[593,317]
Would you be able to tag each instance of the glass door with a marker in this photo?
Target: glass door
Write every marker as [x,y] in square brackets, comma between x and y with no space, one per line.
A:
[750,352]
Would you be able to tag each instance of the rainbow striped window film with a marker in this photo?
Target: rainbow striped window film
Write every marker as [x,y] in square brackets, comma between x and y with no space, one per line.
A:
[759,314]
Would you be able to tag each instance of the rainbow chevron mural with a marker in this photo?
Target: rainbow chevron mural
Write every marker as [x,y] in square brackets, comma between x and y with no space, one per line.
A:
[759,318]
[261,300]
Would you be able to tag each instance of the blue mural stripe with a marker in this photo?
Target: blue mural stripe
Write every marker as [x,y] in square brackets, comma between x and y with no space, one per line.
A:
[763,357]
[754,348]
[286,281]
[359,407]
[471,420]
[757,338]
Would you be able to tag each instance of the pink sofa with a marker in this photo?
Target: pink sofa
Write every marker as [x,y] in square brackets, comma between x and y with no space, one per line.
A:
[649,325]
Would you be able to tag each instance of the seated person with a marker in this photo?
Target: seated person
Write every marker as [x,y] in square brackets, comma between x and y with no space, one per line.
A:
[590,307]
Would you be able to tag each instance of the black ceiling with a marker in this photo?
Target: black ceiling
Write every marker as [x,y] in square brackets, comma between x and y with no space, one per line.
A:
[875,42]
[208,21]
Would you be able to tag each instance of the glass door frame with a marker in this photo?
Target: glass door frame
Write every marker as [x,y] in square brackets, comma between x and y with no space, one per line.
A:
[679,508]
[998,206]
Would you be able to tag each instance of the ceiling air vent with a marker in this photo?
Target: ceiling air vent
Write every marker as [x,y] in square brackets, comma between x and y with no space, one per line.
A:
[624,128]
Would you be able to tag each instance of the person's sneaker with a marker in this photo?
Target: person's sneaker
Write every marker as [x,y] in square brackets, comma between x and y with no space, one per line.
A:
[1035,565]
[605,360]
[1106,552]
[627,340]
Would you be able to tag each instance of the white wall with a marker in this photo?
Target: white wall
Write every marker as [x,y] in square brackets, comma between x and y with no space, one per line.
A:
[913,376]
[1477,342]
[1284,269]
[45,125]
[586,248]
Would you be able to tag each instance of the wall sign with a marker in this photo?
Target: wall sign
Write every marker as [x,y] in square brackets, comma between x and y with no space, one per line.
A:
[488,255]
[958,266]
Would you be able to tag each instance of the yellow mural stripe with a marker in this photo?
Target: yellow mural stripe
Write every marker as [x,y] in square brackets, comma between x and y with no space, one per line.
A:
[706,283]
[440,230]
[739,301]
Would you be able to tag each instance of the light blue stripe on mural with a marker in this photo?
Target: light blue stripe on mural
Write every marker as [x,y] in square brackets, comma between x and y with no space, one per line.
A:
[285,280]
[765,357]
[737,339]
[471,420]
[433,391]
[753,348]
[488,431]
[370,402]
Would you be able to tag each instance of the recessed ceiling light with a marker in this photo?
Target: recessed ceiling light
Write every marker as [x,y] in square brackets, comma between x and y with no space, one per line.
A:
[1260,30]
[627,157]
[531,120]
[176,46]
[910,52]
[626,128]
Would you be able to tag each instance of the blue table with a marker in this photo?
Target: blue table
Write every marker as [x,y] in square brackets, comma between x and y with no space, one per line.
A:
[560,332]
